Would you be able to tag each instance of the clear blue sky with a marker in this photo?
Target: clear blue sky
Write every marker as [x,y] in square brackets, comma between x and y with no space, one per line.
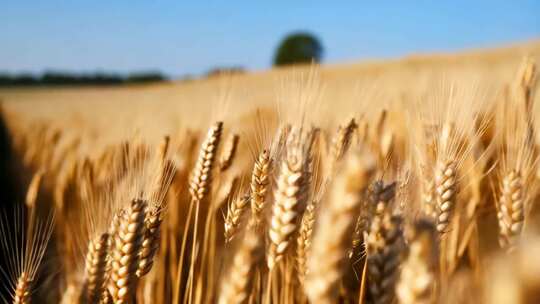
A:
[190,38]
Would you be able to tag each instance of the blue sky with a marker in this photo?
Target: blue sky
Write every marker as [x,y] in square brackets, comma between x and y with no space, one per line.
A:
[181,38]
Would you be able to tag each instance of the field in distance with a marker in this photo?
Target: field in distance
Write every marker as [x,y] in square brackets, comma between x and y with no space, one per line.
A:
[346,89]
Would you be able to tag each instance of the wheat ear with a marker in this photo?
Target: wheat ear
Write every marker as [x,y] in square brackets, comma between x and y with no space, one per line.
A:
[511,209]
[151,240]
[260,180]
[236,286]
[288,197]
[229,152]
[519,159]
[96,268]
[328,255]
[417,280]
[384,248]
[202,174]
[341,142]
[199,186]
[428,195]
[303,241]
[234,214]
[357,239]
[127,243]
[446,193]
[381,196]
[22,290]
[24,250]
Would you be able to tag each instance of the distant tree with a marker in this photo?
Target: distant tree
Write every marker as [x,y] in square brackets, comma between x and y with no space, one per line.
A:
[298,48]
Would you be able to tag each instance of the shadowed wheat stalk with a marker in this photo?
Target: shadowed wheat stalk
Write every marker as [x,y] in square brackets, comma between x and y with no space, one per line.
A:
[384,250]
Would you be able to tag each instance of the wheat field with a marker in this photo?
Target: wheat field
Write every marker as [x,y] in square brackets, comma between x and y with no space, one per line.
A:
[413,180]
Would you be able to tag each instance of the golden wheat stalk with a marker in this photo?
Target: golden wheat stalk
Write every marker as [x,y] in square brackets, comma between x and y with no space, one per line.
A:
[235,211]
[288,197]
[518,165]
[202,173]
[96,269]
[303,241]
[336,222]
[199,186]
[452,127]
[511,211]
[151,240]
[260,180]
[229,152]
[127,242]
[446,193]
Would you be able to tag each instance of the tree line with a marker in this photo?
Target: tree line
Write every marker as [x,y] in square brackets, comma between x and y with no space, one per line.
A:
[67,78]
[295,48]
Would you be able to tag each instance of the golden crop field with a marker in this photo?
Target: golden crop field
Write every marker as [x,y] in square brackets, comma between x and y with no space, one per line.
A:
[413,180]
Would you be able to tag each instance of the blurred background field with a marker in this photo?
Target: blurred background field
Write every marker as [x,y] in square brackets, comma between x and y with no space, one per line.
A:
[345,90]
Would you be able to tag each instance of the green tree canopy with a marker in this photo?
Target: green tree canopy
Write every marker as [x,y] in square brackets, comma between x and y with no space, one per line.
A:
[298,48]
